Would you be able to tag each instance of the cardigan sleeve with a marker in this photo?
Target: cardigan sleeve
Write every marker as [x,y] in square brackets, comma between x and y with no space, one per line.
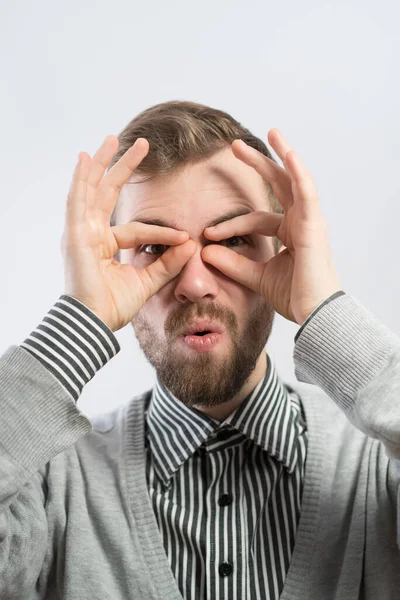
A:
[40,383]
[355,359]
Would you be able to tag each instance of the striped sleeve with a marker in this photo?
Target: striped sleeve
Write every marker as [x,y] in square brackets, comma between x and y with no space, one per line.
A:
[73,343]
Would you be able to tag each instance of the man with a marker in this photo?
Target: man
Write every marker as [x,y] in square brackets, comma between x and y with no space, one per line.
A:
[222,481]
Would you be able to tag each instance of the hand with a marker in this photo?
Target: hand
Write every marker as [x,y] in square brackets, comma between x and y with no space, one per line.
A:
[302,274]
[114,292]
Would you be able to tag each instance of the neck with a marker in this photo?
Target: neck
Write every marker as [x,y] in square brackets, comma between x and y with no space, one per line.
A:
[221,412]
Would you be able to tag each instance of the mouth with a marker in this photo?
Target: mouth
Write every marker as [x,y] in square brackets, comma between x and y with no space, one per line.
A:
[202,335]
[202,327]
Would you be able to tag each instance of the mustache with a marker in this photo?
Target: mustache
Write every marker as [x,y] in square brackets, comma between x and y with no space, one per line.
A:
[178,319]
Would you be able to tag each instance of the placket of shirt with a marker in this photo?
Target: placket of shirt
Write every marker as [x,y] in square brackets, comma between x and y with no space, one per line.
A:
[226,548]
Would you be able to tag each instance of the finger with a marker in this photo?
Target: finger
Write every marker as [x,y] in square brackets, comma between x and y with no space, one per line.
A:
[268,169]
[118,175]
[133,234]
[100,162]
[304,191]
[236,266]
[259,221]
[279,143]
[76,198]
[123,169]
[166,267]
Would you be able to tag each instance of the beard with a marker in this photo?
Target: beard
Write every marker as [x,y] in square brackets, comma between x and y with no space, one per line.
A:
[204,379]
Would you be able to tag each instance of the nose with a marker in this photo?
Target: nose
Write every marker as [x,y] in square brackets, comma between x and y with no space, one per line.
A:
[196,281]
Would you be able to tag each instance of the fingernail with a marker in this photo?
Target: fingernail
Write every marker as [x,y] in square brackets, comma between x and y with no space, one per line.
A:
[138,140]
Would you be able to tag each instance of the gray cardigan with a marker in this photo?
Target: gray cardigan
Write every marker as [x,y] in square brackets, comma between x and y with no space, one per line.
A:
[75,516]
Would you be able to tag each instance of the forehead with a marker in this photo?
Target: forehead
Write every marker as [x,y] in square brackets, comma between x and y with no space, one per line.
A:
[196,194]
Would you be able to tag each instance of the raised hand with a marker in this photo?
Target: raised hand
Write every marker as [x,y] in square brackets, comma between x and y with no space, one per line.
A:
[302,274]
[115,292]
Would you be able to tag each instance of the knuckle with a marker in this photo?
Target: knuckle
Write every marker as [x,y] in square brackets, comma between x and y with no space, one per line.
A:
[115,186]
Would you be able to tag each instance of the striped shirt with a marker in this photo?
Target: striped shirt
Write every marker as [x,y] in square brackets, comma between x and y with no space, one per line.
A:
[226,496]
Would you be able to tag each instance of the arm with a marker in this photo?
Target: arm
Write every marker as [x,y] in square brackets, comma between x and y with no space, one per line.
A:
[341,347]
[41,380]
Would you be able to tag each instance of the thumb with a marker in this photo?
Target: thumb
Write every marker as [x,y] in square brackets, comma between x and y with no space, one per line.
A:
[166,267]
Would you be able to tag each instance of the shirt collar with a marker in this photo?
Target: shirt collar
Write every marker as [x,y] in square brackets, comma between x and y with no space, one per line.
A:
[269,416]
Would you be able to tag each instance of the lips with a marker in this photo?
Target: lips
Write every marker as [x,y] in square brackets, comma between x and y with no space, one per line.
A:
[201,326]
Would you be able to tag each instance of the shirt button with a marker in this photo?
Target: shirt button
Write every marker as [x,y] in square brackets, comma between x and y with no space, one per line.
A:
[225,499]
[225,569]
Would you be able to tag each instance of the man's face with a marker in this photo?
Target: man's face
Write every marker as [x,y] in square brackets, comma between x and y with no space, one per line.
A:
[190,201]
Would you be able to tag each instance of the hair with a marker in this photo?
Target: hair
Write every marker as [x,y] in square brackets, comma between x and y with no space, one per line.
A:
[183,132]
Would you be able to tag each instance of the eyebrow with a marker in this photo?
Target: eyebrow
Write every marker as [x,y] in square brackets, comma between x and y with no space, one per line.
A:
[226,217]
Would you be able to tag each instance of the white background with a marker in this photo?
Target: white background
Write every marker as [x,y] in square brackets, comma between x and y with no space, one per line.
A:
[326,74]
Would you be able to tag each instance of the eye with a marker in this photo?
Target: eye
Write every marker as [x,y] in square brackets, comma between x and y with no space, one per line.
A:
[160,248]
[233,241]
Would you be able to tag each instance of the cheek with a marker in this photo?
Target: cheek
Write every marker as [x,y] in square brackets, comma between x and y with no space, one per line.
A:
[152,311]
